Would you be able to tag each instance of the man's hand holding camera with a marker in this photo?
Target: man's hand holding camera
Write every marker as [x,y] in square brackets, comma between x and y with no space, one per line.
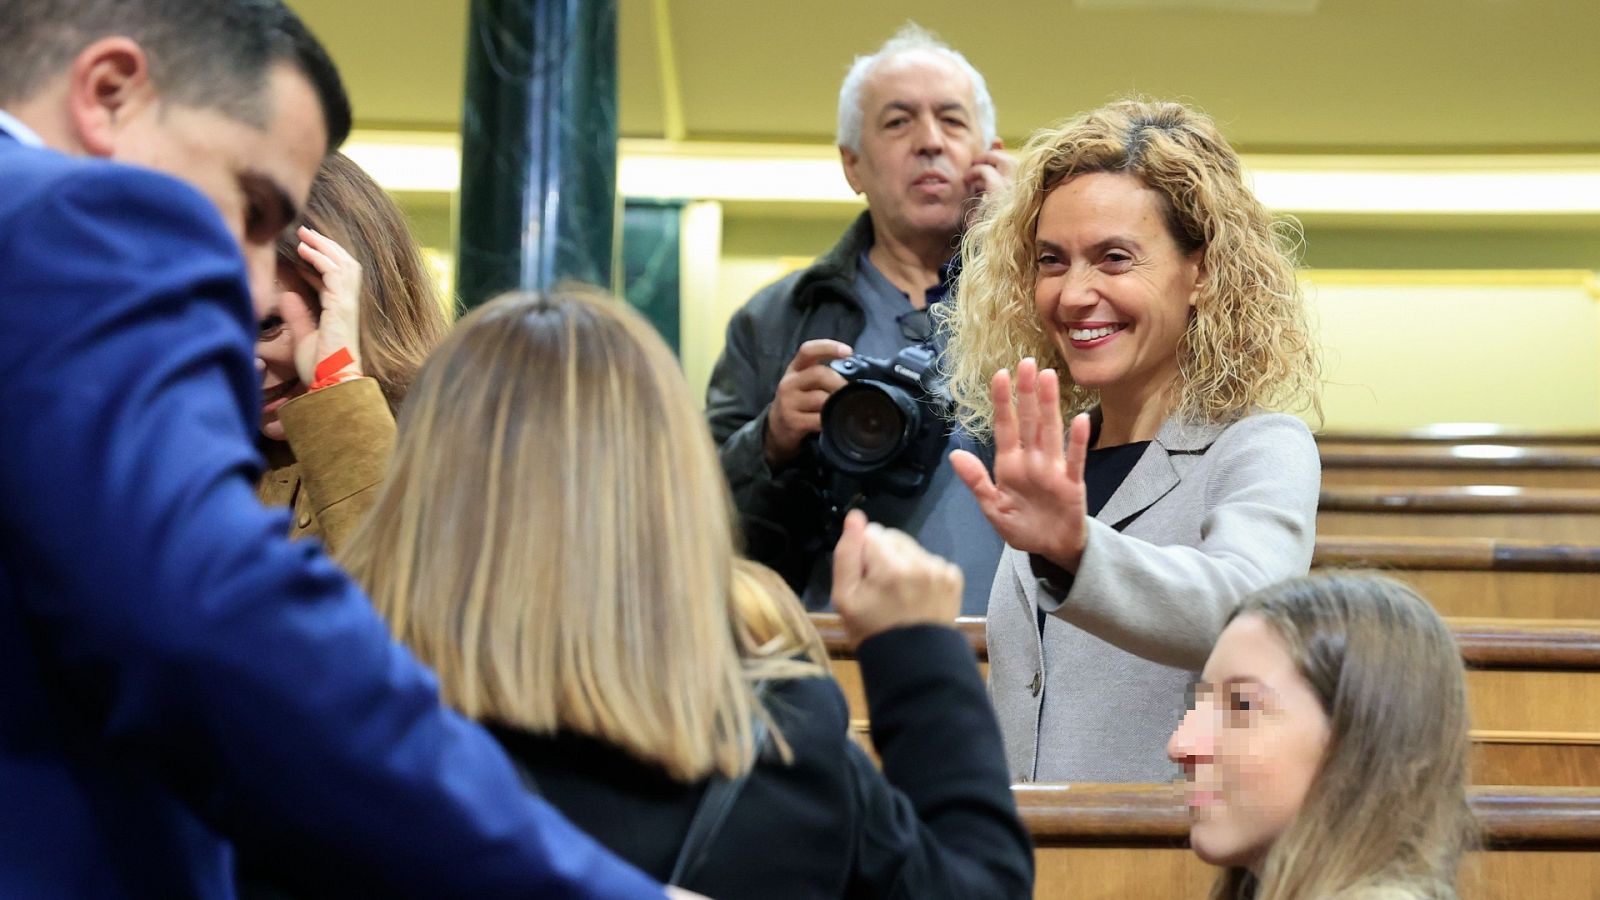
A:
[796,410]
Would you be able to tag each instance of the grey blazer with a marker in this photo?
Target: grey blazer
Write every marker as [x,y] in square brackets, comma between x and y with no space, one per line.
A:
[1207,515]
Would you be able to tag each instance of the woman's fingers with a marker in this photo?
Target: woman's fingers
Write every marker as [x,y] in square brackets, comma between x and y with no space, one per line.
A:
[321,244]
[970,469]
[1005,414]
[1027,404]
[318,260]
[1077,447]
[1050,426]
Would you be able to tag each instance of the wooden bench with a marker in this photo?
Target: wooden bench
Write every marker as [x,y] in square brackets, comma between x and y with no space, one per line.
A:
[1481,577]
[1575,466]
[1451,434]
[1534,691]
[1489,511]
[1129,841]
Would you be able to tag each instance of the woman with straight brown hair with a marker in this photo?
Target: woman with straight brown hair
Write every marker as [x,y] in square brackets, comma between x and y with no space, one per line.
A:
[359,313]
[1326,746]
[554,539]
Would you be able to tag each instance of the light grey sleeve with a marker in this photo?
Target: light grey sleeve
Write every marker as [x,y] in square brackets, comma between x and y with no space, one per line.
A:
[1169,603]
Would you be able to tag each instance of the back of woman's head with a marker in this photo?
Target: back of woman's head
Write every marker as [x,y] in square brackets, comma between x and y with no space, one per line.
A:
[1249,342]
[771,622]
[554,535]
[402,315]
[1388,806]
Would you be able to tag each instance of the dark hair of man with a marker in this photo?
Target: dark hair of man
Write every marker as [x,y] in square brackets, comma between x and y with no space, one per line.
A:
[207,54]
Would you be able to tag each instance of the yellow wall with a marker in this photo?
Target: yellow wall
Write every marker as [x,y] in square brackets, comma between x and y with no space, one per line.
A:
[1404,350]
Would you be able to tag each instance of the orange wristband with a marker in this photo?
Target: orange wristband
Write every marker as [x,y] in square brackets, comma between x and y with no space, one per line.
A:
[335,369]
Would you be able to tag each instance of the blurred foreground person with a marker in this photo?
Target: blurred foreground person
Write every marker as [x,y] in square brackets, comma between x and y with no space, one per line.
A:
[179,677]
[555,539]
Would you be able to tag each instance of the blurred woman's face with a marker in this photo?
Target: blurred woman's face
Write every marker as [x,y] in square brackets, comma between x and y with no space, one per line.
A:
[1250,745]
[280,383]
[1111,286]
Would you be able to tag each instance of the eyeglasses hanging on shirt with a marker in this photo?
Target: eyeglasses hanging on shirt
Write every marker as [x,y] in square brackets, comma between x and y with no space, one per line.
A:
[916,325]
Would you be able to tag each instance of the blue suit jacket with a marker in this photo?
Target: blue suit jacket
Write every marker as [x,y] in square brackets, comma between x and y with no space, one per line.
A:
[177,675]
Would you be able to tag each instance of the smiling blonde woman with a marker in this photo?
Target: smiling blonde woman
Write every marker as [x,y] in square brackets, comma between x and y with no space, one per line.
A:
[1137,279]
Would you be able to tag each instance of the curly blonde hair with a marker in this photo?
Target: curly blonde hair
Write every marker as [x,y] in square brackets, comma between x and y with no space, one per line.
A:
[1249,342]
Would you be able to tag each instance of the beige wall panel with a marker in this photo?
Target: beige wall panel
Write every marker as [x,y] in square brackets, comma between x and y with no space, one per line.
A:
[1364,476]
[1509,595]
[1402,356]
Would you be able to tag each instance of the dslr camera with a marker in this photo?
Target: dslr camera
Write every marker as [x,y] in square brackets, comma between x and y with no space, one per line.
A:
[886,429]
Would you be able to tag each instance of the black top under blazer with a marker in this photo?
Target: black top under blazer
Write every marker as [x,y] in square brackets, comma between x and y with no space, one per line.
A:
[937,821]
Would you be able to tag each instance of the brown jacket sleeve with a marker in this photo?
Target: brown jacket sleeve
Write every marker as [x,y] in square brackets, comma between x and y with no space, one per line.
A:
[342,437]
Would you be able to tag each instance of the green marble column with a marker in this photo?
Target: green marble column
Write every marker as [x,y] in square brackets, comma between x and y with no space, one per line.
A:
[651,234]
[539,146]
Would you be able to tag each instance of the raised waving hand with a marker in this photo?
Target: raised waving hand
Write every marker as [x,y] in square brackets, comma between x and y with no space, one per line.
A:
[1037,501]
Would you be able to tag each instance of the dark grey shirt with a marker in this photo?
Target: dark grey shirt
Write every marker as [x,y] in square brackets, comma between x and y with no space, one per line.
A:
[944,518]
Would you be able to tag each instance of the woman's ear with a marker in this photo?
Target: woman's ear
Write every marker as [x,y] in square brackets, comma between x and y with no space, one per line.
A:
[108,85]
[1199,262]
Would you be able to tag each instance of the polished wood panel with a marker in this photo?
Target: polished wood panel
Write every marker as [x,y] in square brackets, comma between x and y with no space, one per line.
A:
[1490,457]
[1413,476]
[1099,872]
[1471,553]
[1527,759]
[1479,576]
[1533,689]
[1522,526]
[1511,595]
[1485,510]
[1485,643]
[1515,700]
[1154,815]
[1462,433]
[1127,841]
[1478,498]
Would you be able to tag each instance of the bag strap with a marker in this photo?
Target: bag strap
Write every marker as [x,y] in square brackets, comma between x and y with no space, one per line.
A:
[714,806]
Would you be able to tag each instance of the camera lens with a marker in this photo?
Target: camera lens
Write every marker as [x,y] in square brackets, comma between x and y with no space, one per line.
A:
[866,424]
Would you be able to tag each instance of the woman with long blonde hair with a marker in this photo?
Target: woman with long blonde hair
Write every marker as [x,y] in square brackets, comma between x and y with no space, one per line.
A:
[554,539]
[1326,746]
[1149,296]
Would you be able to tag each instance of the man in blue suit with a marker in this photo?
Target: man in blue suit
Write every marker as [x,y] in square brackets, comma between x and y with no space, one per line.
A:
[176,677]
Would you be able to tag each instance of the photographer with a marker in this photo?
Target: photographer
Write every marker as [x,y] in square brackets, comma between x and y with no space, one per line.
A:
[916,136]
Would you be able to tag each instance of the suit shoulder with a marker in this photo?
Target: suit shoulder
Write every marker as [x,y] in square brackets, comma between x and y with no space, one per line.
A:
[1268,444]
[1275,427]
[48,188]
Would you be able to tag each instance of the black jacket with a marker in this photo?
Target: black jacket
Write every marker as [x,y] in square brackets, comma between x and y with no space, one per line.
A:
[781,517]
[938,821]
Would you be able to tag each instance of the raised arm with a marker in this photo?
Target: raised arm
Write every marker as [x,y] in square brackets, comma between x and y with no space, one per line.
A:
[1169,603]
[939,820]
